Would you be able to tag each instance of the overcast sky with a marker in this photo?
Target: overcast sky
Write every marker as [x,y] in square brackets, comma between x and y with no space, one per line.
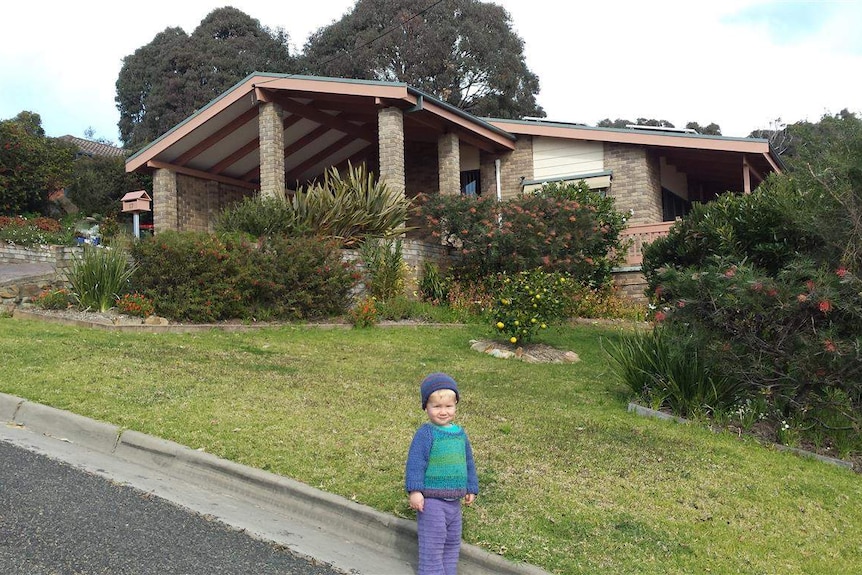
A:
[740,63]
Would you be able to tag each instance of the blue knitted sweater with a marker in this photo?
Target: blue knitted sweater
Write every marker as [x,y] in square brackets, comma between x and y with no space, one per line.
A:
[440,463]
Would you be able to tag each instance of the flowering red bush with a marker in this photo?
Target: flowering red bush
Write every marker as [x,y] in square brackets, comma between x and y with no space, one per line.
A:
[560,230]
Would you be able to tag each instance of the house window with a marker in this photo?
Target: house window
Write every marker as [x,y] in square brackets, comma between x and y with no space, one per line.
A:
[673,206]
[470,185]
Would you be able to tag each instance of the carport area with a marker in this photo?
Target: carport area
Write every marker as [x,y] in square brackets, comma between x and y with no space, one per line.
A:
[275,133]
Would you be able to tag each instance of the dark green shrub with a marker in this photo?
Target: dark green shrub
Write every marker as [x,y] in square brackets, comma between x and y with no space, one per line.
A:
[260,216]
[384,268]
[669,370]
[99,277]
[201,277]
[764,277]
[298,278]
[193,276]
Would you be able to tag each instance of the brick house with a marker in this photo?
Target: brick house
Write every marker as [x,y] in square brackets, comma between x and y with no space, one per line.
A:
[274,132]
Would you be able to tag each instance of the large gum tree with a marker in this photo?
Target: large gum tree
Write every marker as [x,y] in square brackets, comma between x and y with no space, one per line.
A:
[461,51]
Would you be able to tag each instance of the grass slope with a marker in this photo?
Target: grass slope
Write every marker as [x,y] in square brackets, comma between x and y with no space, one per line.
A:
[569,480]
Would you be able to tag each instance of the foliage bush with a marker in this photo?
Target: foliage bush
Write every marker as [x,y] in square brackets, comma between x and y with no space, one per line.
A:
[298,278]
[560,229]
[528,302]
[192,276]
[201,277]
[384,268]
[99,277]
[364,313]
[763,276]
[31,165]
[260,216]
[39,230]
[54,298]
[667,369]
[347,207]
[351,207]
[136,304]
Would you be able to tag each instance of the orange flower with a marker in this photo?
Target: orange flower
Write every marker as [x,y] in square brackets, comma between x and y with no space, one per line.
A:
[825,306]
[841,272]
[829,346]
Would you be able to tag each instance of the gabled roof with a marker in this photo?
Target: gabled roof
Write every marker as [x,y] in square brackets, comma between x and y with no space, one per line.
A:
[327,121]
[715,159]
[90,148]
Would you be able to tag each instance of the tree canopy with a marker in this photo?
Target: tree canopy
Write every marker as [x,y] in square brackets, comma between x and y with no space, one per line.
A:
[711,129]
[461,51]
[31,165]
[165,81]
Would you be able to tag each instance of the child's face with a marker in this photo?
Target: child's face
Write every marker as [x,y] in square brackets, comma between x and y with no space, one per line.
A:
[441,408]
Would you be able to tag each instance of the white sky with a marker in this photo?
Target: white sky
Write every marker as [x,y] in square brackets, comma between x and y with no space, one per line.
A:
[739,63]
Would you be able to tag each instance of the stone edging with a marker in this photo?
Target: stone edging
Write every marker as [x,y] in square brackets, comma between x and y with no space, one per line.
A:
[647,412]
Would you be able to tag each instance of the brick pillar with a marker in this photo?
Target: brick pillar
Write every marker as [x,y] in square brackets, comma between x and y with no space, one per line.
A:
[390,137]
[449,164]
[636,182]
[270,123]
[165,203]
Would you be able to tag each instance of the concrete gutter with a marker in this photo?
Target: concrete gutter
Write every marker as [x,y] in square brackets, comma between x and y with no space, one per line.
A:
[359,538]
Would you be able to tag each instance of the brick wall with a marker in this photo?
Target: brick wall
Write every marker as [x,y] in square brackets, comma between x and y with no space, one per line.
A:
[636,181]
[514,166]
[631,284]
[58,256]
[199,202]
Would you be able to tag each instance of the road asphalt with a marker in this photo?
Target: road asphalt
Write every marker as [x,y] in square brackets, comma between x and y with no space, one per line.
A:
[351,537]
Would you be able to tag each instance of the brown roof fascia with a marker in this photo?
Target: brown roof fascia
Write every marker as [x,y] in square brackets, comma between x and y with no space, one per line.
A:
[466,126]
[718,143]
[201,174]
[183,129]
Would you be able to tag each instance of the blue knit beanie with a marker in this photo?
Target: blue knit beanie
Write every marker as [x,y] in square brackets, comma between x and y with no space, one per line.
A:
[435,382]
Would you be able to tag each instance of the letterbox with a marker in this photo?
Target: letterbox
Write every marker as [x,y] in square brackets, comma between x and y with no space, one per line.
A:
[136,202]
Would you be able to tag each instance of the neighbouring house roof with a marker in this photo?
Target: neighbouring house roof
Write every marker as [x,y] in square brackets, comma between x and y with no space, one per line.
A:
[90,148]
[327,121]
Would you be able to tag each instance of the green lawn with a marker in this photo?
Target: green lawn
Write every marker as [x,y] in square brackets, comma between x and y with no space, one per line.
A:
[570,481]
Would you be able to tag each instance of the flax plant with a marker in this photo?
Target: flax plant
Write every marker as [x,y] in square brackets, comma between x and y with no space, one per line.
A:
[352,206]
[99,277]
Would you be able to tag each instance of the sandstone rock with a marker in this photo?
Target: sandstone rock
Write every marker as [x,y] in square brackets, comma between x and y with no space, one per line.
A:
[155,320]
[9,292]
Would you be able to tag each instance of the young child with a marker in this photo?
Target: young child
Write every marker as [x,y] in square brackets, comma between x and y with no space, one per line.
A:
[439,472]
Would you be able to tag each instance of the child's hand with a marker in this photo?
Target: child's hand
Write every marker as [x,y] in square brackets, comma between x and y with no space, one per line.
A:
[417,501]
[469,498]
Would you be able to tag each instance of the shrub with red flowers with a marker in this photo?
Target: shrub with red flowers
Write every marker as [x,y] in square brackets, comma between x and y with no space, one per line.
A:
[136,304]
[561,229]
[771,304]
[54,298]
[364,313]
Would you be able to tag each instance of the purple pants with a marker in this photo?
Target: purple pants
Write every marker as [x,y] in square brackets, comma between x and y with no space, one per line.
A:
[439,537]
